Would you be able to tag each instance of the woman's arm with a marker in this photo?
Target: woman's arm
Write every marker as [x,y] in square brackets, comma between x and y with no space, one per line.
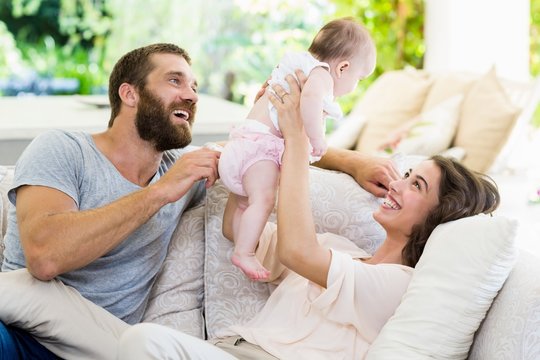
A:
[372,173]
[298,248]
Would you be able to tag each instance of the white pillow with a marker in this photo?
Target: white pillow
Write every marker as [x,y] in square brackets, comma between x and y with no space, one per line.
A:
[464,265]
[433,130]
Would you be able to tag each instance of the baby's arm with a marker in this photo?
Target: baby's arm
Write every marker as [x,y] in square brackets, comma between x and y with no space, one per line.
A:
[318,85]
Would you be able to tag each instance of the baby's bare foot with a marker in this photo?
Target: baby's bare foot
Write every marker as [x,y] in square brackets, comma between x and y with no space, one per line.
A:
[249,264]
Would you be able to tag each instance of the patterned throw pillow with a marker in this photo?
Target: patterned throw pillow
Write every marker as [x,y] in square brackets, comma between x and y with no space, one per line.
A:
[177,296]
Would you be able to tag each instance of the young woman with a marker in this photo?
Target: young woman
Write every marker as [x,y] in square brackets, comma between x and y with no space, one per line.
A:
[336,298]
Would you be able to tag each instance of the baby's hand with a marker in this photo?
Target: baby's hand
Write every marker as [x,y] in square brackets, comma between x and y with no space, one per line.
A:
[319,147]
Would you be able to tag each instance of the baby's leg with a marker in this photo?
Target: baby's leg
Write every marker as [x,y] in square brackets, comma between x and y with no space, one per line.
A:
[260,183]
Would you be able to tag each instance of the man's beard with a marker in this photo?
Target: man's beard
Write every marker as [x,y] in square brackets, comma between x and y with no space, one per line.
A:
[154,125]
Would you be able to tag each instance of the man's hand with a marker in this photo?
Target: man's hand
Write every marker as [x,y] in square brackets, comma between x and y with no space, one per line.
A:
[190,168]
[374,174]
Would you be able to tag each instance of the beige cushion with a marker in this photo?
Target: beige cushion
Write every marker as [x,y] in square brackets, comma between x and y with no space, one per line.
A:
[464,265]
[396,96]
[433,129]
[487,117]
[446,86]
[177,295]
[339,206]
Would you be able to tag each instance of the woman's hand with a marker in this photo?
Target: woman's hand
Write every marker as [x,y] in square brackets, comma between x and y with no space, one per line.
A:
[374,174]
[288,106]
[261,91]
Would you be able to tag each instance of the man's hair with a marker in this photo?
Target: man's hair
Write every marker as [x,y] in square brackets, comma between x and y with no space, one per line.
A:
[462,193]
[341,39]
[133,68]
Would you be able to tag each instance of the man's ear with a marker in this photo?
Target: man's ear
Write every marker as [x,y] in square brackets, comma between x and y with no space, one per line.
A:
[128,94]
[341,67]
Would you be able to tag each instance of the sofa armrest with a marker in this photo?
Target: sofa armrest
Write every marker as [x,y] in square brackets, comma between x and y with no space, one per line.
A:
[6,179]
[511,329]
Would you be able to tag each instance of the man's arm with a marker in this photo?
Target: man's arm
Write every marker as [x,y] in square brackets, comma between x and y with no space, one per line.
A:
[372,173]
[56,237]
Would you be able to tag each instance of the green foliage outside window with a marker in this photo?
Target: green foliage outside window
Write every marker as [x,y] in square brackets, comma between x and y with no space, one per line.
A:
[397,29]
[235,42]
[55,39]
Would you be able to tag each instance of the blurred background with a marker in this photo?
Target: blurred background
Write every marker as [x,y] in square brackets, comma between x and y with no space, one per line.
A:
[59,47]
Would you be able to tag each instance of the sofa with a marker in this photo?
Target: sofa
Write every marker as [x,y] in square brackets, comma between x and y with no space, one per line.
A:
[199,292]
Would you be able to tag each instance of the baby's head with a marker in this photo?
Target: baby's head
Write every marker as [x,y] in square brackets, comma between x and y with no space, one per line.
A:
[349,50]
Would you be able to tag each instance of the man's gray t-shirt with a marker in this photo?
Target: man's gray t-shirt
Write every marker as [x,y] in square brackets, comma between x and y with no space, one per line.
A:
[121,280]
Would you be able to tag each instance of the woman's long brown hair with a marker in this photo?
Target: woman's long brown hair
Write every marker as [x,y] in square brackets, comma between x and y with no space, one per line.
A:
[462,193]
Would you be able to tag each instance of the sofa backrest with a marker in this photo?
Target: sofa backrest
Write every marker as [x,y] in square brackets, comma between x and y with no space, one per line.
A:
[490,120]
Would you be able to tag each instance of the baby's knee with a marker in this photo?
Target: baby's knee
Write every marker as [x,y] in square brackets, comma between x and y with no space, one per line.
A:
[266,199]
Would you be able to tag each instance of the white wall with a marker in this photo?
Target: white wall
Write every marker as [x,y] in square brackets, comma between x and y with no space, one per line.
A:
[473,35]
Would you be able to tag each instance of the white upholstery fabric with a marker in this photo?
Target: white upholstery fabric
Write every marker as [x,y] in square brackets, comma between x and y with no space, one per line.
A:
[511,329]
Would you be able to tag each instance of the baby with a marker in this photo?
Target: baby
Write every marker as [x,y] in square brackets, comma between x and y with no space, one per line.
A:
[341,54]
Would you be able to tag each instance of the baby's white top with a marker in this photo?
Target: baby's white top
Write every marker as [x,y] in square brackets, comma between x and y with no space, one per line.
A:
[305,62]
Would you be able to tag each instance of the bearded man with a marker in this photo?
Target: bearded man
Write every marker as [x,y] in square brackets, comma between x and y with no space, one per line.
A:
[96,212]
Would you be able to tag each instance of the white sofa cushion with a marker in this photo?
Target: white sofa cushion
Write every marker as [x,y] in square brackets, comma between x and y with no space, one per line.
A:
[339,206]
[177,295]
[464,265]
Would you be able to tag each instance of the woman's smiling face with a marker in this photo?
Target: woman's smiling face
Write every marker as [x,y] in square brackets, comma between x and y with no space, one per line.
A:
[410,200]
